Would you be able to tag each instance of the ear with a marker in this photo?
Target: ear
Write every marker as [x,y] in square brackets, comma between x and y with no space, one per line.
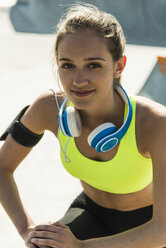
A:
[119,66]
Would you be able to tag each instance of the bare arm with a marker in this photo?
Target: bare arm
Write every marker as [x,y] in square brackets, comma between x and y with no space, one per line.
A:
[9,195]
[40,116]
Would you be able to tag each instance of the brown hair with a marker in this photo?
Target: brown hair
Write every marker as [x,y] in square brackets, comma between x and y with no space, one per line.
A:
[88,16]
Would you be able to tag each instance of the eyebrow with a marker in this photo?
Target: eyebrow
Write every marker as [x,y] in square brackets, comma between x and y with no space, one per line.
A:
[87,59]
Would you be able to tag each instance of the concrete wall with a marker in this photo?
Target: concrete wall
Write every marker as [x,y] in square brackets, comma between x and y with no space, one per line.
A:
[143,21]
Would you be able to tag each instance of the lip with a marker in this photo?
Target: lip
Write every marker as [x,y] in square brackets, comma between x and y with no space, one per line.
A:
[82,92]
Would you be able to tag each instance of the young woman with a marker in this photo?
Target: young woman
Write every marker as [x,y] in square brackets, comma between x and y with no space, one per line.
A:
[116,145]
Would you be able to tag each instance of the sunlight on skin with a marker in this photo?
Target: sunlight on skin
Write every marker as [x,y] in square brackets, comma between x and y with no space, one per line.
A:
[162,64]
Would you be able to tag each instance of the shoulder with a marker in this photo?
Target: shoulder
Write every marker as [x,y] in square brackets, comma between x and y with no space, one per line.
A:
[150,123]
[147,108]
[149,111]
[43,113]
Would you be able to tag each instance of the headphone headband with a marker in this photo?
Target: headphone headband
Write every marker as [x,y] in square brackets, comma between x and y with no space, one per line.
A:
[126,124]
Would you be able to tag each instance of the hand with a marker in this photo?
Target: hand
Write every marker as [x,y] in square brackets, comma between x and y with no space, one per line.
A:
[56,235]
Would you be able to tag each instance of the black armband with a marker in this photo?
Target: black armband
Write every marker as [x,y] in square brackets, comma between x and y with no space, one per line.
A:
[20,133]
[23,135]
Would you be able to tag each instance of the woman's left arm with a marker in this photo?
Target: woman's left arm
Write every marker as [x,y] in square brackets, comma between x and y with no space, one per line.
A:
[58,235]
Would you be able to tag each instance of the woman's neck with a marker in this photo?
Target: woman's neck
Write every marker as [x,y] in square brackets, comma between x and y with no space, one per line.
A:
[109,111]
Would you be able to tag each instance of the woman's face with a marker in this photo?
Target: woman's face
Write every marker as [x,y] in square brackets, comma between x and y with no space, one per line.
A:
[86,68]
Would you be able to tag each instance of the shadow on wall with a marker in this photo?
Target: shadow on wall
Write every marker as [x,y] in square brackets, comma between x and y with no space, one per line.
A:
[155,86]
[143,21]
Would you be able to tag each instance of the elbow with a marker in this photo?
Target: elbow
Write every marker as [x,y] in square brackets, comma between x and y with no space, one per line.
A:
[4,171]
[5,167]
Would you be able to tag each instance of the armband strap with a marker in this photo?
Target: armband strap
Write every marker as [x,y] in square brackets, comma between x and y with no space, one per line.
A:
[20,133]
[23,135]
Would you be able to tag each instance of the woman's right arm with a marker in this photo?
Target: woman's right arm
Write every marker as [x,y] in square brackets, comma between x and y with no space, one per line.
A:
[11,154]
[41,115]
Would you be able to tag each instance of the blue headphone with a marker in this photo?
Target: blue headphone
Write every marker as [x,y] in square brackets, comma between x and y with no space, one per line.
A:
[104,137]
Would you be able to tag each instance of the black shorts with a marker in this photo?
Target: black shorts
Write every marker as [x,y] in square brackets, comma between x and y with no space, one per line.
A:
[88,220]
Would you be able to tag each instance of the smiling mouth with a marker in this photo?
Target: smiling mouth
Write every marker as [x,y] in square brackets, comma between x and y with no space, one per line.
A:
[82,93]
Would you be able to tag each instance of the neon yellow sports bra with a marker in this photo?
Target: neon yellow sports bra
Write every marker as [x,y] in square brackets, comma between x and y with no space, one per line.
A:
[127,172]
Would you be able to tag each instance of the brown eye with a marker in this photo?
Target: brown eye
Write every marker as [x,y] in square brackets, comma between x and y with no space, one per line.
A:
[94,66]
[68,66]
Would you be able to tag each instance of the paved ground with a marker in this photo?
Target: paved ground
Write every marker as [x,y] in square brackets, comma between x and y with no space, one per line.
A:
[25,71]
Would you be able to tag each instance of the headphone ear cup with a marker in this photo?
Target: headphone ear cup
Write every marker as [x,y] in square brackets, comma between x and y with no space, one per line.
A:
[69,120]
[73,122]
[101,138]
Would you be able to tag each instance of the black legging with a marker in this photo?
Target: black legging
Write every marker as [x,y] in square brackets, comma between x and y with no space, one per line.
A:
[88,220]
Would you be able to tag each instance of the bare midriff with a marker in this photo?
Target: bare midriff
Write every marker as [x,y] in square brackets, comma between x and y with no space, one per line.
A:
[122,202]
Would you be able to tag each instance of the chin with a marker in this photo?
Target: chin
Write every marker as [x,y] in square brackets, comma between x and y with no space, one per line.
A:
[82,104]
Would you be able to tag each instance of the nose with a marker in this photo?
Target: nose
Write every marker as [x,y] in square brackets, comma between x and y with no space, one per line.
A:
[80,79]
